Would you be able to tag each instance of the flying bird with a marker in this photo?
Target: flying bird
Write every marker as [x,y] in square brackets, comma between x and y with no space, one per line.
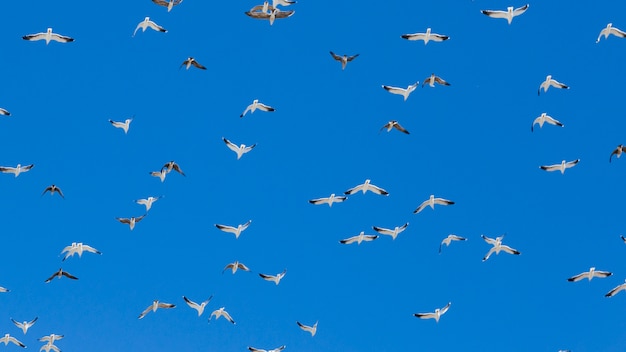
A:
[78,248]
[256,105]
[434,79]
[618,151]
[271,15]
[497,247]
[16,170]
[234,266]
[394,124]
[60,274]
[393,233]
[544,118]
[560,167]
[48,36]
[359,238]
[590,275]
[49,346]
[221,313]
[8,338]
[328,200]
[53,188]
[154,306]
[168,3]
[171,165]
[278,349]
[426,37]
[196,306]
[436,315]
[610,30]
[240,150]
[344,59]
[131,221]
[160,174]
[25,325]
[148,201]
[550,82]
[51,338]
[405,92]
[311,329]
[508,14]
[123,125]
[616,290]
[147,23]
[431,202]
[235,230]
[449,239]
[274,278]
[366,186]
[191,61]
[4,112]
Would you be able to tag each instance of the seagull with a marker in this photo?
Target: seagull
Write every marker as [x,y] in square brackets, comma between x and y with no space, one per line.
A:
[60,274]
[402,91]
[550,82]
[53,188]
[8,338]
[236,230]
[275,278]
[497,246]
[426,37]
[434,79]
[449,239]
[78,248]
[240,150]
[25,325]
[160,174]
[359,238]
[167,3]
[196,306]
[590,275]
[278,349]
[393,233]
[436,315]
[123,125]
[610,30]
[221,313]
[171,165]
[234,266]
[545,118]
[344,59]
[16,170]
[311,329]
[51,338]
[432,201]
[618,151]
[154,306]
[328,200]
[394,124]
[4,112]
[560,167]
[49,346]
[131,221]
[191,61]
[616,290]
[48,36]
[273,14]
[147,23]
[508,14]
[148,201]
[366,186]
[256,105]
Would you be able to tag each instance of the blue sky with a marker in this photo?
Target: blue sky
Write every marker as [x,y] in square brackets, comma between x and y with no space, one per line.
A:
[470,142]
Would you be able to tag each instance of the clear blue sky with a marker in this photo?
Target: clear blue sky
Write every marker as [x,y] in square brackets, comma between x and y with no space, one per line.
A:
[470,142]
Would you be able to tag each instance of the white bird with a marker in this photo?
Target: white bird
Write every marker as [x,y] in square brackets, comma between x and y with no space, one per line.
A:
[366,186]
[405,92]
[328,200]
[8,338]
[196,306]
[160,174]
[359,238]
[610,30]
[436,315]
[434,79]
[431,202]
[123,125]
[147,23]
[560,167]
[168,3]
[25,325]
[240,150]
[616,290]
[393,233]
[172,165]
[79,247]
[191,61]
[618,151]
[51,338]
[235,230]
[131,221]
[271,14]
[48,36]
[394,124]
[16,170]
[60,273]
[344,59]
[590,275]
[53,188]
[221,313]
[550,82]
[426,37]
[148,201]
[154,306]
[497,246]
[49,346]
[4,112]
[256,105]
[543,119]
[311,329]
[278,349]
[234,266]
[508,14]
[274,278]
[449,239]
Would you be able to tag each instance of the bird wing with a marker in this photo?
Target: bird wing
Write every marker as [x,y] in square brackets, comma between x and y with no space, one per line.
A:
[264,107]
[441,81]
[377,190]
[156,27]
[601,274]
[197,64]
[551,167]
[445,309]
[442,201]
[350,58]
[616,290]
[421,207]
[383,231]
[509,250]
[320,201]
[495,13]
[414,36]
[558,84]
[400,128]
[520,10]
[4,112]
[61,38]
[146,311]
[335,56]
[572,163]
[230,144]
[349,240]
[68,275]
[353,189]
[226,228]
[618,32]
[243,267]
[578,277]
[37,36]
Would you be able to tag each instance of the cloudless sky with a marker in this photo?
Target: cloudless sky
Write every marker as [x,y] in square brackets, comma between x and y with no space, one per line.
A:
[469,142]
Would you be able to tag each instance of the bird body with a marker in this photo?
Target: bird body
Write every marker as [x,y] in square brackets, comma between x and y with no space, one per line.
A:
[196,306]
[393,233]
[123,125]
[543,119]
[131,221]
[239,150]
[549,82]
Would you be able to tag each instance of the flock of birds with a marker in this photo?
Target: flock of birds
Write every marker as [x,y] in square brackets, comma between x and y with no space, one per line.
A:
[272,12]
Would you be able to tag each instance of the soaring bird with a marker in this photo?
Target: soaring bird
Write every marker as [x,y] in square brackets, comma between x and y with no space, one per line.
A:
[148,201]
[359,238]
[48,36]
[508,14]
[154,306]
[436,315]
[618,151]
[449,239]
[78,248]
[196,306]
[53,188]
[344,59]
[394,124]
[274,278]
[221,313]
[497,246]
[610,30]
[256,105]
[590,275]
[168,3]
[366,186]
[272,14]
[191,61]
[25,325]
[426,37]
[172,165]
[311,329]
[234,266]
[550,82]
[123,125]
[431,202]
[560,167]
[544,118]
[434,79]
[328,200]
[393,233]
[404,92]
[131,221]
[147,23]
[234,230]
[60,274]
[16,170]
[239,150]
